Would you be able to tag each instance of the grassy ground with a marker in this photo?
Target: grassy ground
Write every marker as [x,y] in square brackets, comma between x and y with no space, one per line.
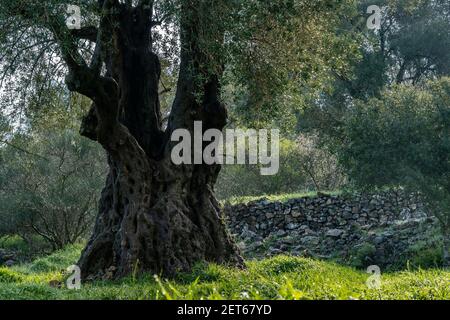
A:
[277,197]
[277,278]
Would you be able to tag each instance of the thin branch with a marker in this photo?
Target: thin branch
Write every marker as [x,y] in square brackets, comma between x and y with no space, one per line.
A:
[23,150]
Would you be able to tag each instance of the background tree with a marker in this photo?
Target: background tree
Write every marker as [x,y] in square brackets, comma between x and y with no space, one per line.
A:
[412,46]
[53,196]
[49,176]
[304,166]
[402,139]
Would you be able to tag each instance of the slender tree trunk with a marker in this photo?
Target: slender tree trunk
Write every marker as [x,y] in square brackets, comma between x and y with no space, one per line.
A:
[154,216]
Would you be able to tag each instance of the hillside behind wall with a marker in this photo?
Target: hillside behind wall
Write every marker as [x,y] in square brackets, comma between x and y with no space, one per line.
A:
[382,226]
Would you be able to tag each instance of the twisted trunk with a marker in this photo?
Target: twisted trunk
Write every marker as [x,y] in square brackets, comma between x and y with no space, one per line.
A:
[154,216]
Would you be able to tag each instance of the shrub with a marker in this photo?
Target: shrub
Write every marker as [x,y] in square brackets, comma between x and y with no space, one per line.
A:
[402,139]
[51,191]
[361,255]
[303,167]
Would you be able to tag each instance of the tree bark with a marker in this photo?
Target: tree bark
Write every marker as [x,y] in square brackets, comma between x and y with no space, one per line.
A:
[154,216]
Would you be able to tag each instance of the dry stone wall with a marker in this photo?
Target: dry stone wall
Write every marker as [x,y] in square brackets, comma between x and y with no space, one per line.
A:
[382,226]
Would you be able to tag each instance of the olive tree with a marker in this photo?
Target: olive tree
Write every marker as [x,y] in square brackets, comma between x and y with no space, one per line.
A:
[156,216]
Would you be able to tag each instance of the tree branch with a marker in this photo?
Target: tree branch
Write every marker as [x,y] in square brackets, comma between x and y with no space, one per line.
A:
[86,33]
[23,150]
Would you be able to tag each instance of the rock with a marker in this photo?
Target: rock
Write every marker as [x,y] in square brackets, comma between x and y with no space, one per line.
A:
[242,246]
[254,245]
[270,215]
[288,219]
[310,240]
[275,251]
[247,234]
[328,226]
[296,214]
[289,240]
[378,240]
[55,284]
[10,263]
[280,233]
[334,233]
[292,226]
[347,215]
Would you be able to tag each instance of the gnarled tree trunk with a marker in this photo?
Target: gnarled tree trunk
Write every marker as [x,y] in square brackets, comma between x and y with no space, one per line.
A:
[154,216]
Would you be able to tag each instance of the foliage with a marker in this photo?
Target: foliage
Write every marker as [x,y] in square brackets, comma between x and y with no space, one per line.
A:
[276,278]
[411,47]
[303,167]
[311,61]
[424,256]
[271,50]
[51,190]
[283,197]
[278,50]
[360,254]
[24,250]
[402,139]
[387,134]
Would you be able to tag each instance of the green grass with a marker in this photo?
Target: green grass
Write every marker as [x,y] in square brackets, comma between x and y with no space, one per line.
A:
[22,249]
[277,197]
[276,278]
[13,243]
